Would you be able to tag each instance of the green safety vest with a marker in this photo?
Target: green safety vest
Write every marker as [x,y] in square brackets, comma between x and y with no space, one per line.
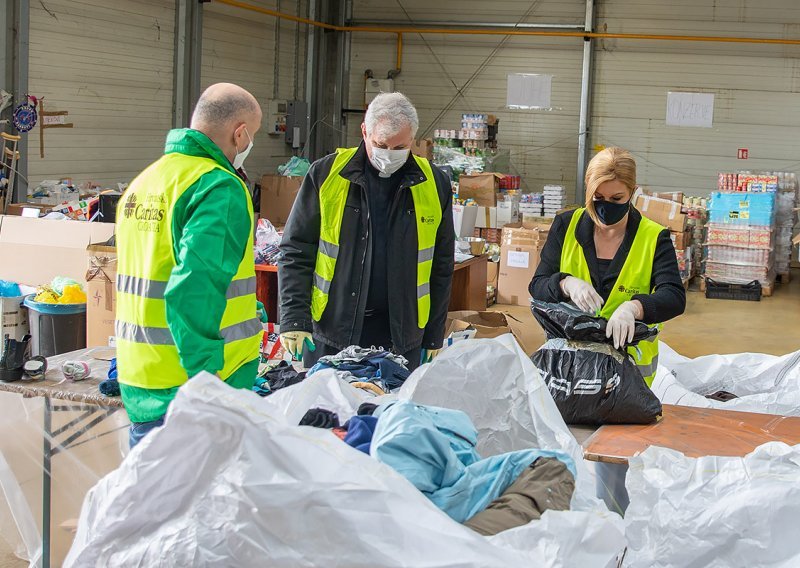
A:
[146,351]
[633,279]
[332,199]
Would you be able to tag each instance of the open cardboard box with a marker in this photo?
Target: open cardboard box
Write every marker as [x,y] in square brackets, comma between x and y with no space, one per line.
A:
[34,251]
[492,324]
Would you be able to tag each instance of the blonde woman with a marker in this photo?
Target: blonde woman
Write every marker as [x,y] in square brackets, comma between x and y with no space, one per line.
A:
[608,259]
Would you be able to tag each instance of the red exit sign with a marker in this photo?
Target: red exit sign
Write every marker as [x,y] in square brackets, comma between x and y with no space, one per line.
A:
[742,154]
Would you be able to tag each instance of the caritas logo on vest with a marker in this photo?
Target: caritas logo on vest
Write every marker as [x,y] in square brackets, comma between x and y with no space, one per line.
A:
[150,213]
[629,291]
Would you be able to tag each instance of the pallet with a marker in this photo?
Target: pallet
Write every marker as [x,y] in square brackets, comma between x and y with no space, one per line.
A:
[784,278]
[766,290]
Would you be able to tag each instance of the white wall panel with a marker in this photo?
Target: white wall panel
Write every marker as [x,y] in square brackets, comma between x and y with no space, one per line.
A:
[543,143]
[109,63]
[756,88]
[239,47]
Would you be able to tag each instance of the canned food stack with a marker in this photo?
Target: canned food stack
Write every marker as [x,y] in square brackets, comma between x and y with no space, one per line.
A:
[740,237]
[555,198]
[784,220]
[530,204]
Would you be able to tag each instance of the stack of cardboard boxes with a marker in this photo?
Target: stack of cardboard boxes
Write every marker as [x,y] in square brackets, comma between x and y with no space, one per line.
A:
[520,249]
[666,209]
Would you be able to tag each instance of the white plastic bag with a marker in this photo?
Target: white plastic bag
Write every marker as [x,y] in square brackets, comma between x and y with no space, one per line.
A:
[230,480]
[764,383]
[714,511]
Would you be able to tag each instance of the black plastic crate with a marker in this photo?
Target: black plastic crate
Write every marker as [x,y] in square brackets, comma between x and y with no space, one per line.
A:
[724,291]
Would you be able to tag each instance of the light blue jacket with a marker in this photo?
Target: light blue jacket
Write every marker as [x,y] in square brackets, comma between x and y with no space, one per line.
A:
[434,448]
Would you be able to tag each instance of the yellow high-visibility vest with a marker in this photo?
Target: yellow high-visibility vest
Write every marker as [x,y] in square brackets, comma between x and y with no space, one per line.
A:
[633,279]
[146,351]
[332,199]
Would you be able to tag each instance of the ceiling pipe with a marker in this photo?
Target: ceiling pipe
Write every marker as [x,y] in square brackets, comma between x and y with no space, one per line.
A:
[515,31]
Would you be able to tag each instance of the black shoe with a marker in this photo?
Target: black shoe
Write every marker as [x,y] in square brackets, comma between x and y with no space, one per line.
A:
[14,355]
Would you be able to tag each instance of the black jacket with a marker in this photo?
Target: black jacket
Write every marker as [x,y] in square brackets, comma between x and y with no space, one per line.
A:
[666,302]
[342,320]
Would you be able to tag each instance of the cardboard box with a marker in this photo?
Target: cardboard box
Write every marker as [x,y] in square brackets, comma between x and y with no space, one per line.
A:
[492,272]
[101,292]
[277,197]
[676,196]
[507,212]
[681,240]
[491,324]
[34,251]
[520,249]
[18,209]
[423,148]
[480,187]
[464,218]
[662,211]
[486,218]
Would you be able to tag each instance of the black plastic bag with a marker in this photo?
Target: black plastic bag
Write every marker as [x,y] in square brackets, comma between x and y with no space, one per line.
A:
[590,381]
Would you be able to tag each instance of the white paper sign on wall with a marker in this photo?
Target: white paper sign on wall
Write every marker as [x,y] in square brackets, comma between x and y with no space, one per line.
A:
[690,109]
[518,259]
[529,91]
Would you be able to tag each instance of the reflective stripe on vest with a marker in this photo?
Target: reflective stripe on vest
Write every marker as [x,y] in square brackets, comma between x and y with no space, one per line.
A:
[634,278]
[147,356]
[332,199]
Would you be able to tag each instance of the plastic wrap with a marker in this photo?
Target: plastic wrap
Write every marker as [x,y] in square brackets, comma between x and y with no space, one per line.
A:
[763,383]
[267,492]
[77,463]
[714,512]
[590,381]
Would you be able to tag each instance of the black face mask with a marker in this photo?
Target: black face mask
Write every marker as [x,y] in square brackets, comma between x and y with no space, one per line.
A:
[611,213]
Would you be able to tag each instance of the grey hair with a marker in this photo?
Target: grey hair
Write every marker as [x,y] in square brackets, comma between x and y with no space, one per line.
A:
[217,109]
[388,113]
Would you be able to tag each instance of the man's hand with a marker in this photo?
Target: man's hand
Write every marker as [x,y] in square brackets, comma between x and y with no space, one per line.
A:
[295,341]
[428,355]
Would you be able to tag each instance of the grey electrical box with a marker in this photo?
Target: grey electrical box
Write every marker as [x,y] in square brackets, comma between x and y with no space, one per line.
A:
[296,123]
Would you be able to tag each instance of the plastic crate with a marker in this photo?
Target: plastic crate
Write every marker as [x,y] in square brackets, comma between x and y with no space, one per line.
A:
[723,291]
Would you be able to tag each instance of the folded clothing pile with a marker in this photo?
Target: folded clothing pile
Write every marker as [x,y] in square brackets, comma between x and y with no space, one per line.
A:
[375,370]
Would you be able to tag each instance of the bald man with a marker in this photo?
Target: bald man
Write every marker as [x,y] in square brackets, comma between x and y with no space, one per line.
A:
[186,286]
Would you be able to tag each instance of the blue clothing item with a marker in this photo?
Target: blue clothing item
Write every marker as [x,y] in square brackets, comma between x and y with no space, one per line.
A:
[376,368]
[434,448]
[110,386]
[140,429]
[112,370]
[359,432]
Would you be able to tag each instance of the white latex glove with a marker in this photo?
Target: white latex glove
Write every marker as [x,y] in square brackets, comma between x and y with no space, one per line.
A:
[622,323]
[295,341]
[582,293]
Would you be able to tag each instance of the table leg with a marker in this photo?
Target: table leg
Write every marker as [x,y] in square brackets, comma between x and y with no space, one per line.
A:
[46,483]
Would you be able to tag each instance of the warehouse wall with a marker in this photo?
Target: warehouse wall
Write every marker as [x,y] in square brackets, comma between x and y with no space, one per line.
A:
[756,88]
[109,63]
[239,47]
[543,144]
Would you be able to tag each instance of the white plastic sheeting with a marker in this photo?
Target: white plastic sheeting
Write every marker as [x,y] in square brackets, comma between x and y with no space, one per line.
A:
[714,511]
[231,480]
[764,383]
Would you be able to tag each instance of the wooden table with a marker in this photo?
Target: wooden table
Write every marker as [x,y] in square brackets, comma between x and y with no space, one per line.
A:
[469,285]
[267,289]
[83,397]
[696,432]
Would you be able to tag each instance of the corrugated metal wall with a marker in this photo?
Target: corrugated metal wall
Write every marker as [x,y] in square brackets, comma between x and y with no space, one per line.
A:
[756,87]
[543,143]
[239,47]
[757,105]
[109,63]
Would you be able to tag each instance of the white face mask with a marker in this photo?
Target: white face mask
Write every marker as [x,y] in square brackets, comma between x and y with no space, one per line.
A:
[238,160]
[388,161]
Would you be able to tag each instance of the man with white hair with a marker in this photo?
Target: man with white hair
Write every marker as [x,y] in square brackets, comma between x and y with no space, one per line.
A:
[367,252]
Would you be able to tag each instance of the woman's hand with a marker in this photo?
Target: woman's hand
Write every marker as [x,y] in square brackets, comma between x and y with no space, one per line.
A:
[622,323]
[582,294]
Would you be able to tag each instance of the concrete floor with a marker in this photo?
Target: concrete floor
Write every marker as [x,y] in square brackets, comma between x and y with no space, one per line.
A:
[724,326]
[708,326]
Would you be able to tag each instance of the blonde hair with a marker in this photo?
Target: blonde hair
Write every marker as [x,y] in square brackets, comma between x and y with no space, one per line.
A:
[609,165]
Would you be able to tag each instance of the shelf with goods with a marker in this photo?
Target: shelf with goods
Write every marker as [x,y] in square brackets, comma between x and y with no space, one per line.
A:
[740,238]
